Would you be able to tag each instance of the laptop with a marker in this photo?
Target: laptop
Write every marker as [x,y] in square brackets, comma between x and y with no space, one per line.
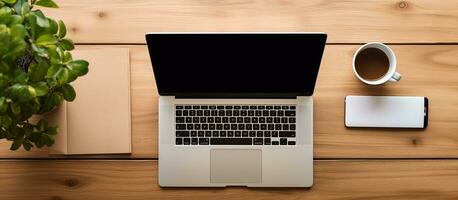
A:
[235,109]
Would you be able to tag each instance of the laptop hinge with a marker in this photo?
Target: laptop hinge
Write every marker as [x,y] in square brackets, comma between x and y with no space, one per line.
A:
[236,96]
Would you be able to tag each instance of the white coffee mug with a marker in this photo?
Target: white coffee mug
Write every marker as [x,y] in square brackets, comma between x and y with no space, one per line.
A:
[391,74]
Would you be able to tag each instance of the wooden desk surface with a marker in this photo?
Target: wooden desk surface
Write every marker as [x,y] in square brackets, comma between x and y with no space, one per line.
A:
[349,163]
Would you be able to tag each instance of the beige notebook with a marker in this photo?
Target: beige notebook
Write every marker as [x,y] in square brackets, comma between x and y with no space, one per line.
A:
[99,120]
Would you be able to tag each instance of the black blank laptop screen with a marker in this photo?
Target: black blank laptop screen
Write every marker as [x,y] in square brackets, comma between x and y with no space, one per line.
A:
[239,64]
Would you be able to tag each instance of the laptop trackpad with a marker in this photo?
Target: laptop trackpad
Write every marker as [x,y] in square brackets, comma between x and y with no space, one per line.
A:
[235,166]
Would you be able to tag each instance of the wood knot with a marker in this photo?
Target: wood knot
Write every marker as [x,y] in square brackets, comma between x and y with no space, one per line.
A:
[74,29]
[71,182]
[416,141]
[402,4]
[101,14]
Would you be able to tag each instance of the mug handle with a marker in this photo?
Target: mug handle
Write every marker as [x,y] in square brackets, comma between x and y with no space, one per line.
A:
[396,77]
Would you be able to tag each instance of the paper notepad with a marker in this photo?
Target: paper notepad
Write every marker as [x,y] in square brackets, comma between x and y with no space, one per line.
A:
[99,120]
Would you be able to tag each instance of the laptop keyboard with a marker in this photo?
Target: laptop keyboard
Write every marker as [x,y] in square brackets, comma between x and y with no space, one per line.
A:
[235,124]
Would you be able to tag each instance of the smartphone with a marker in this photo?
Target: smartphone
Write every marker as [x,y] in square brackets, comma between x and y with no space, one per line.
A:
[386,111]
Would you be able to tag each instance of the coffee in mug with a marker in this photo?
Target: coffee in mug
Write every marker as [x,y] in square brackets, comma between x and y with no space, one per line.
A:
[375,63]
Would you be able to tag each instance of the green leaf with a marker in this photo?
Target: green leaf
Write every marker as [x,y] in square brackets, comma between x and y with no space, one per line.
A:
[52,130]
[53,27]
[42,125]
[16,144]
[61,75]
[49,141]
[68,92]
[46,40]
[27,145]
[3,105]
[62,29]
[15,19]
[20,76]
[31,24]
[18,5]
[47,3]
[41,88]
[4,80]
[5,121]
[25,8]
[21,92]
[79,67]
[71,76]
[40,51]
[15,108]
[67,56]
[38,71]
[9,1]
[42,21]
[67,44]
[47,103]
[18,31]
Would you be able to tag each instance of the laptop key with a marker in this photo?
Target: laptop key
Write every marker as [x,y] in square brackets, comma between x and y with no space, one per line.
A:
[274,133]
[244,133]
[230,134]
[266,141]
[290,113]
[193,133]
[215,133]
[275,143]
[179,113]
[292,120]
[181,127]
[208,133]
[179,120]
[237,134]
[186,141]
[179,107]
[257,141]
[203,141]
[252,134]
[283,141]
[287,134]
[179,141]
[291,142]
[222,133]
[231,141]
[194,141]
[182,133]
[200,133]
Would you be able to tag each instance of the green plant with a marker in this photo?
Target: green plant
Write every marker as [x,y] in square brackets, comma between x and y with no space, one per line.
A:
[36,67]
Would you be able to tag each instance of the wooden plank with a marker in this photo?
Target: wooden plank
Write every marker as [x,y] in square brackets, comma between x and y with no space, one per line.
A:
[428,70]
[355,21]
[398,179]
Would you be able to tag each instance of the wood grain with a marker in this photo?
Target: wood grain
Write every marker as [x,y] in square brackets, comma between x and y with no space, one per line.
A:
[375,179]
[354,21]
[428,70]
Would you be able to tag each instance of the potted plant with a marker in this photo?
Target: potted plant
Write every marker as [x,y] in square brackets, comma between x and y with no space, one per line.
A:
[36,69]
